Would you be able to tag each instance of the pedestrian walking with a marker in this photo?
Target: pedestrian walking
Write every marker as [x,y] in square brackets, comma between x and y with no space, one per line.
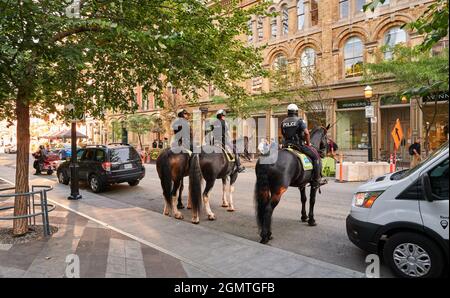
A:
[414,152]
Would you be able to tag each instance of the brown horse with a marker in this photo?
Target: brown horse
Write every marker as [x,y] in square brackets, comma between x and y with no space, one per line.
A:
[211,164]
[274,177]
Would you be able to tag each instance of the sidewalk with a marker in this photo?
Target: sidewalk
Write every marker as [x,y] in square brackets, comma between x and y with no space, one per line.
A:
[201,252]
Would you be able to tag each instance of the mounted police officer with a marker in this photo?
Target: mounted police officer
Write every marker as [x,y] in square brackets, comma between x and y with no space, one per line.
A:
[182,131]
[296,134]
[220,132]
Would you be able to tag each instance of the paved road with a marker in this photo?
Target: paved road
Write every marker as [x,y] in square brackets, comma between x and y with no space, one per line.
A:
[327,241]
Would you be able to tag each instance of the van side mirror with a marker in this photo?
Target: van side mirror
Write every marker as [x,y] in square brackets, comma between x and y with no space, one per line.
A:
[426,187]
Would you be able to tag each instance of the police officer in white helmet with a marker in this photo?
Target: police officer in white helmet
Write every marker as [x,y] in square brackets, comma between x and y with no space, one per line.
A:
[296,134]
[221,135]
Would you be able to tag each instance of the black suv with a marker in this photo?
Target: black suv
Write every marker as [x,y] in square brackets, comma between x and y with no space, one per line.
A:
[101,166]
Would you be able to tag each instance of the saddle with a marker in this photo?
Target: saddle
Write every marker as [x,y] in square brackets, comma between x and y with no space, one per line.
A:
[304,159]
[228,154]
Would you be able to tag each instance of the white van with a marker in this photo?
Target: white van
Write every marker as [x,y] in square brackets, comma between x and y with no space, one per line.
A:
[404,218]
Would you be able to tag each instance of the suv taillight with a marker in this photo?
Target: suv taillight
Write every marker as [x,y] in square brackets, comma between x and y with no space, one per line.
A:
[106,166]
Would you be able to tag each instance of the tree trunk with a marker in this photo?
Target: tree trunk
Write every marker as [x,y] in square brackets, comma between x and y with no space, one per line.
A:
[20,226]
[140,141]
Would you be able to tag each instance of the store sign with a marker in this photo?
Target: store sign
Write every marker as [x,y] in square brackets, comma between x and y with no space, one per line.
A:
[351,104]
[370,112]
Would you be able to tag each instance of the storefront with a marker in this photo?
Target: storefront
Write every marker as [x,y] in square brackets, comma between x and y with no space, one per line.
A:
[391,109]
[435,117]
[352,129]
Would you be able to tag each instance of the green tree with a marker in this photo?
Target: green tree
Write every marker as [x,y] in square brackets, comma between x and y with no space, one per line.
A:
[433,22]
[141,124]
[93,53]
[418,75]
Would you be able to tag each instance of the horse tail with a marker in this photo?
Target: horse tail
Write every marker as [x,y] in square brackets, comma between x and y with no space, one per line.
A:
[195,183]
[165,175]
[262,192]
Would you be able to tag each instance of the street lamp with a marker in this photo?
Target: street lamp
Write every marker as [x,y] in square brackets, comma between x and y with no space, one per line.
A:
[368,93]
[74,181]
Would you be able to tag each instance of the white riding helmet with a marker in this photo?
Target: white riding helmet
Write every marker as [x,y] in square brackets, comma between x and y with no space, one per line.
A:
[292,108]
[221,112]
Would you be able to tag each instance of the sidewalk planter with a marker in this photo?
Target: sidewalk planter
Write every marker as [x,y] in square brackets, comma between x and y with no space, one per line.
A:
[362,171]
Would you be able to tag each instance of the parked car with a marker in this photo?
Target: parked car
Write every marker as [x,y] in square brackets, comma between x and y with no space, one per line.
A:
[10,148]
[101,166]
[404,218]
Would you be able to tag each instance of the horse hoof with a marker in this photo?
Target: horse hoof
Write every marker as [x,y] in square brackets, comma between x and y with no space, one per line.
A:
[189,207]
[230,210]
[211,217]
[166,214]
[180,206]
[179,216]
[225,205]
[304,219]
[195,221]
[264,240]
[312,223]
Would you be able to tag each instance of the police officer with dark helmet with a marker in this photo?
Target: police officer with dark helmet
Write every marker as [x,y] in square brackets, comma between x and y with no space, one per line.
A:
[296,134]
[220,132]
[181,126]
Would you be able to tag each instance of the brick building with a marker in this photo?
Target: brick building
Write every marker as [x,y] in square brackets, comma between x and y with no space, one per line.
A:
[335,37]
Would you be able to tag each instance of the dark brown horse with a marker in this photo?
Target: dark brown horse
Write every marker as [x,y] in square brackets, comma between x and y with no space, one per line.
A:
[211,164]
[274,177]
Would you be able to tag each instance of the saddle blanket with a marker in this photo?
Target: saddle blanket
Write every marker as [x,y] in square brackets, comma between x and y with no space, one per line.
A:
[306,162]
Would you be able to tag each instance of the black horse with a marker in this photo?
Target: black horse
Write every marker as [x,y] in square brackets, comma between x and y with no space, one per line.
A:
[274,178]
[211,164]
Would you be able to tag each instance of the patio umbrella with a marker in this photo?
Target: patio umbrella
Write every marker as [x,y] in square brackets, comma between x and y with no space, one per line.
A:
[68,134]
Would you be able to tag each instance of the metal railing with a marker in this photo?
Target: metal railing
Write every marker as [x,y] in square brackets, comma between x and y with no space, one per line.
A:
[36,198]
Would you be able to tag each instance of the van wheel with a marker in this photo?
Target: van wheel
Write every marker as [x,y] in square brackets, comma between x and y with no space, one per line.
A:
[49,172]
[133,183]
[95,184]
[62,178]
[412,255]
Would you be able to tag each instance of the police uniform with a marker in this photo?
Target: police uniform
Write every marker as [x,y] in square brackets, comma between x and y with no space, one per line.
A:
[293,128]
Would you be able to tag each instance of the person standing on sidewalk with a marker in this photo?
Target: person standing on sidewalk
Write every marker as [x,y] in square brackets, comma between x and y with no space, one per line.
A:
[414,151]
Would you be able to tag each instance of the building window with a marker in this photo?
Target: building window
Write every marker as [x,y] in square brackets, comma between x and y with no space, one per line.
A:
[359,4]
[257,84]
[353,57]
[314,13]
[307,64]
[260,28]
[285,19]
[279,63]
[393,37]
[250,31]
[350,134]
[273,26]
[344,8]
[300,14]
[145,103]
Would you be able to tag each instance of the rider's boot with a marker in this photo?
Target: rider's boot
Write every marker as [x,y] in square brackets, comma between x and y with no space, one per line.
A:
[317,180]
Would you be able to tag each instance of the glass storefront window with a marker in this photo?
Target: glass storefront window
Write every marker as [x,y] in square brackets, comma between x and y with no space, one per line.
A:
[352,130]
[439,129]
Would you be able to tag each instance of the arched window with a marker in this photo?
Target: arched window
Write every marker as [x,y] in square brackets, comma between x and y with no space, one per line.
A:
[300,14]
[285,19]
[280,62]
[273,25]
[307,64]
[353,57]
[393,36]
[260,28]
[250,31]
